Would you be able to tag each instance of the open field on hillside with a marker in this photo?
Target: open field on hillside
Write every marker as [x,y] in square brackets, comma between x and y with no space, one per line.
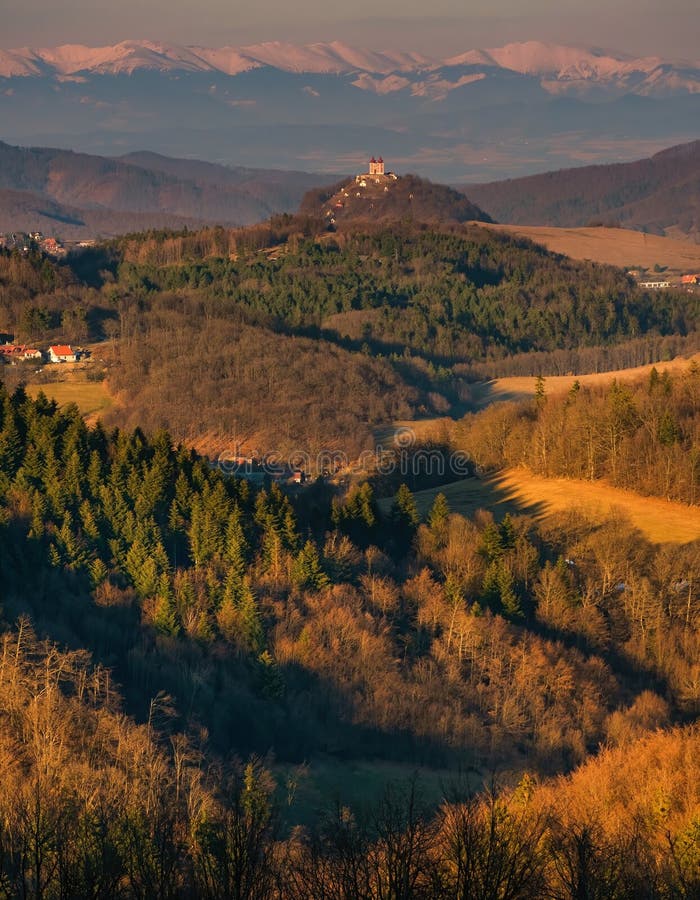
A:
[69,384]
[519,491]
[91,398]
[521,387]
[614,246]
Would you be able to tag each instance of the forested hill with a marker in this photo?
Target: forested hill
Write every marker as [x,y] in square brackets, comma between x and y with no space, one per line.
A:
[660,194]
[318,626]
[75,195]
[289,318]
[385,199]
[387,318]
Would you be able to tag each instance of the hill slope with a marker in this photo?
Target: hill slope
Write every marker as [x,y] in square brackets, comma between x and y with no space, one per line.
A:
[660,194]
[385,198]
[78,194]
[614,246]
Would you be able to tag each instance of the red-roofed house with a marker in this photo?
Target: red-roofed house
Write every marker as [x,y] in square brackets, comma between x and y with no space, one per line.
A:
[62,353]
[19,351]
[30,353]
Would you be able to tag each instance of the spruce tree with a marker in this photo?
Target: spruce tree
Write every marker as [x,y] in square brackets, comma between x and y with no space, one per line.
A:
[439,513]
[166,618]
[404,520]
[236,545]
[307,570]
[249,620]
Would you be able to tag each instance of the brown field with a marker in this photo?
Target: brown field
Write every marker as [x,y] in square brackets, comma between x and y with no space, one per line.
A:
[519,491]
[522,387]
[614,246]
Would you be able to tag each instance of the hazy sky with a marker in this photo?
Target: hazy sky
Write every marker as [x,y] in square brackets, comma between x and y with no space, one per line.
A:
[668,28]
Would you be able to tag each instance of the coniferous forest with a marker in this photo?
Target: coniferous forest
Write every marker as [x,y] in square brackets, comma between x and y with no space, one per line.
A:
[181,647]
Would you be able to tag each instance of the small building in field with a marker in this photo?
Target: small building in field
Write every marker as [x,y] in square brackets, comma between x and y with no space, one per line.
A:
[61,353]
[690,279]
[655,285]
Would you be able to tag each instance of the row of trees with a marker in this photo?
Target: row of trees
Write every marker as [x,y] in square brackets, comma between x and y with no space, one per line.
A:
[644,436]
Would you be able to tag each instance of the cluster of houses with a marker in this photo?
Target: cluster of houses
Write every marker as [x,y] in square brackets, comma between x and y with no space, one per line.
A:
[689,282]
[24,242]
[33,240]
[57,353]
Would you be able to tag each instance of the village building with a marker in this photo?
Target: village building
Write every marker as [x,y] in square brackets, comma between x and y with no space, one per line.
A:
[21,352]
[61,353]
[51,247]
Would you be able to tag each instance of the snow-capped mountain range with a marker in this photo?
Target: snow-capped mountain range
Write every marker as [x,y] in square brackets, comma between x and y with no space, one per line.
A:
[561,69]
[481,115]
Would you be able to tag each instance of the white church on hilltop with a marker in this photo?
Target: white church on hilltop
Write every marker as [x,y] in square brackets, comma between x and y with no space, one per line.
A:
[376,173]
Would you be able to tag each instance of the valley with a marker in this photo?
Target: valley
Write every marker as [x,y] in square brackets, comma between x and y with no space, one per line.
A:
[524,387]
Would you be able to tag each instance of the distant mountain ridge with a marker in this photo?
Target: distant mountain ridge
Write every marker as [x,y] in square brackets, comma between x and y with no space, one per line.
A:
[476,116]
[562,68]
[660,194]
[78,195]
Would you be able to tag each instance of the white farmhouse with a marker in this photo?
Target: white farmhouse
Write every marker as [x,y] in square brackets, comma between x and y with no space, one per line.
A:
[62,353]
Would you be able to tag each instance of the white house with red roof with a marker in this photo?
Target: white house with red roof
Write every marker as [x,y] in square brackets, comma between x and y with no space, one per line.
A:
[62,353]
